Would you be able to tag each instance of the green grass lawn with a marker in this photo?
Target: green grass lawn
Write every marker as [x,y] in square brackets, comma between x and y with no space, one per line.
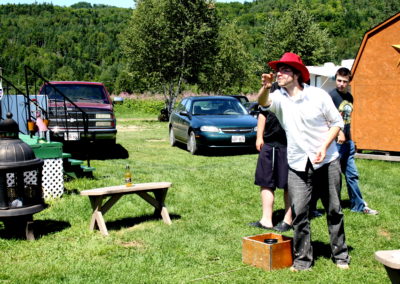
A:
[211,201]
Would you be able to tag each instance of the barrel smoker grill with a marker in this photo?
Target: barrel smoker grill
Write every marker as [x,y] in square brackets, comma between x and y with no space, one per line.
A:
[21,193]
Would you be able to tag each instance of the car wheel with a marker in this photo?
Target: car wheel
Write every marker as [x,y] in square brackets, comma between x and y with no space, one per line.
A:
[172,140]
[191,144]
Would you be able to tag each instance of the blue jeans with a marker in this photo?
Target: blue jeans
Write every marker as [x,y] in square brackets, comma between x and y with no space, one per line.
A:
[347,151]
[325,180]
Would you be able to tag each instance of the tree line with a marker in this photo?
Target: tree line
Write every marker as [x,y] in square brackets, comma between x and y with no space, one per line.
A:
[203,46]
[62,43]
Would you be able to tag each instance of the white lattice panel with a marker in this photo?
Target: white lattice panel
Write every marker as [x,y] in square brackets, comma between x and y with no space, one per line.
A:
[10,179]
[53,178]
[30,177]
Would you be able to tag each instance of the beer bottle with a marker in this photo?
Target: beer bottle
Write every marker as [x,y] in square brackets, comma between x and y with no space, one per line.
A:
[128,176]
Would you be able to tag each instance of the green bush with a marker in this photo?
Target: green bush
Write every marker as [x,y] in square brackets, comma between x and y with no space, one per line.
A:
[145,106]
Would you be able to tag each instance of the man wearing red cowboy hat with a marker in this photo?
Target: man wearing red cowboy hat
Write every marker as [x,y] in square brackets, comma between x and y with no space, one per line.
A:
[312,123]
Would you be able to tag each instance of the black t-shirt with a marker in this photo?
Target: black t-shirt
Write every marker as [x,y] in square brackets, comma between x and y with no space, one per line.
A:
[344,103]
[274,134]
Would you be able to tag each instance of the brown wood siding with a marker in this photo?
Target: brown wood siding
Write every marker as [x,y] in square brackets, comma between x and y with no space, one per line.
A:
[376,89]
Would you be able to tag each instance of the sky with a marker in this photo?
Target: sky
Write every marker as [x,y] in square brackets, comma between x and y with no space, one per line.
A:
[118,3]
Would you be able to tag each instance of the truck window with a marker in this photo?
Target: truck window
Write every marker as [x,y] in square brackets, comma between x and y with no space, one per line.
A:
[77,93]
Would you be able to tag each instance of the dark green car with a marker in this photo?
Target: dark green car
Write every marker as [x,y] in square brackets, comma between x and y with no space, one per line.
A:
[212,122]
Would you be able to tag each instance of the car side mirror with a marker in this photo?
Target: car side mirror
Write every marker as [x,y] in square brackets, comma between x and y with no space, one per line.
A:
[184,113]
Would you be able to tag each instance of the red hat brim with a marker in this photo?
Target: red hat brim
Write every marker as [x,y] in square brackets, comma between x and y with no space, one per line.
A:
[295,64]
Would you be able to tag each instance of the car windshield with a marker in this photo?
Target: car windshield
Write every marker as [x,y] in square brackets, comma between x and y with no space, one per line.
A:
[218,107]
[76,93]
[242,100]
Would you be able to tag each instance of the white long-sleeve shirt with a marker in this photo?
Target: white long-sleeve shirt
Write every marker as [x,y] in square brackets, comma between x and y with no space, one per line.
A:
[306,118]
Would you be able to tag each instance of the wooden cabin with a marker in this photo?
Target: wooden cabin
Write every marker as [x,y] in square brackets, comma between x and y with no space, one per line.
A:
[376,89]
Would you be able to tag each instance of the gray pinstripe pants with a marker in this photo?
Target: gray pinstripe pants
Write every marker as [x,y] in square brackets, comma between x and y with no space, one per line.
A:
[325,180]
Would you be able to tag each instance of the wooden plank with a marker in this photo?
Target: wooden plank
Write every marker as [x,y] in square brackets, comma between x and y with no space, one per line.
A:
[158,204]
[378,157]
[66,155]
[101,223]
[126,189]
[149,199]
[87,169]
[75,162]
[165,216]
[96,203]
[160,197]
[110,203]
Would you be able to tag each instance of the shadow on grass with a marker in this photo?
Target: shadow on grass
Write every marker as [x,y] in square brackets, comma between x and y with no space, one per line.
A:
[40,228]
[97,151]
[345,203]
[277,216]
[229,152]
[323,250]
[218,152]
[48,227]
[132,221]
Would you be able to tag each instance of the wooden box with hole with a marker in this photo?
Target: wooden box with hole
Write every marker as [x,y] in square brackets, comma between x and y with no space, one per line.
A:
[267,251]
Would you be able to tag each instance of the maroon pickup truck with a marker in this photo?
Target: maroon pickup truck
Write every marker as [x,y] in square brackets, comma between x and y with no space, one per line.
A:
[72,103]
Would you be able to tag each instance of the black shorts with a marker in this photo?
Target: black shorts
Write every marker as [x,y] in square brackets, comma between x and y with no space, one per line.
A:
[272,167]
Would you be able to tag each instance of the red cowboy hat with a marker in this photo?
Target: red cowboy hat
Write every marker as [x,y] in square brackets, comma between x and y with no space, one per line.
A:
[294,61]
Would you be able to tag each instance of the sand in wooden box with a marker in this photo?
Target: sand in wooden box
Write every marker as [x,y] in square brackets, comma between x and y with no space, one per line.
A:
[267,256]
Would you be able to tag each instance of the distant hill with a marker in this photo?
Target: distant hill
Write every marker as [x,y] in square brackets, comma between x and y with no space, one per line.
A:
[62,43]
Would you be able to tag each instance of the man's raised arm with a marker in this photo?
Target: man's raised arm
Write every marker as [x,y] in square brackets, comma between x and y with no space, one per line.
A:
[263,93]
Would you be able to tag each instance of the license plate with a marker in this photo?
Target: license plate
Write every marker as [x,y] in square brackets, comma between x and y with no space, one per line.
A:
[238,139]
[71,136]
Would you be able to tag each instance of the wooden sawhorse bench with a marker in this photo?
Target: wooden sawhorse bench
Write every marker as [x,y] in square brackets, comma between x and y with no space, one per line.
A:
[114,193]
